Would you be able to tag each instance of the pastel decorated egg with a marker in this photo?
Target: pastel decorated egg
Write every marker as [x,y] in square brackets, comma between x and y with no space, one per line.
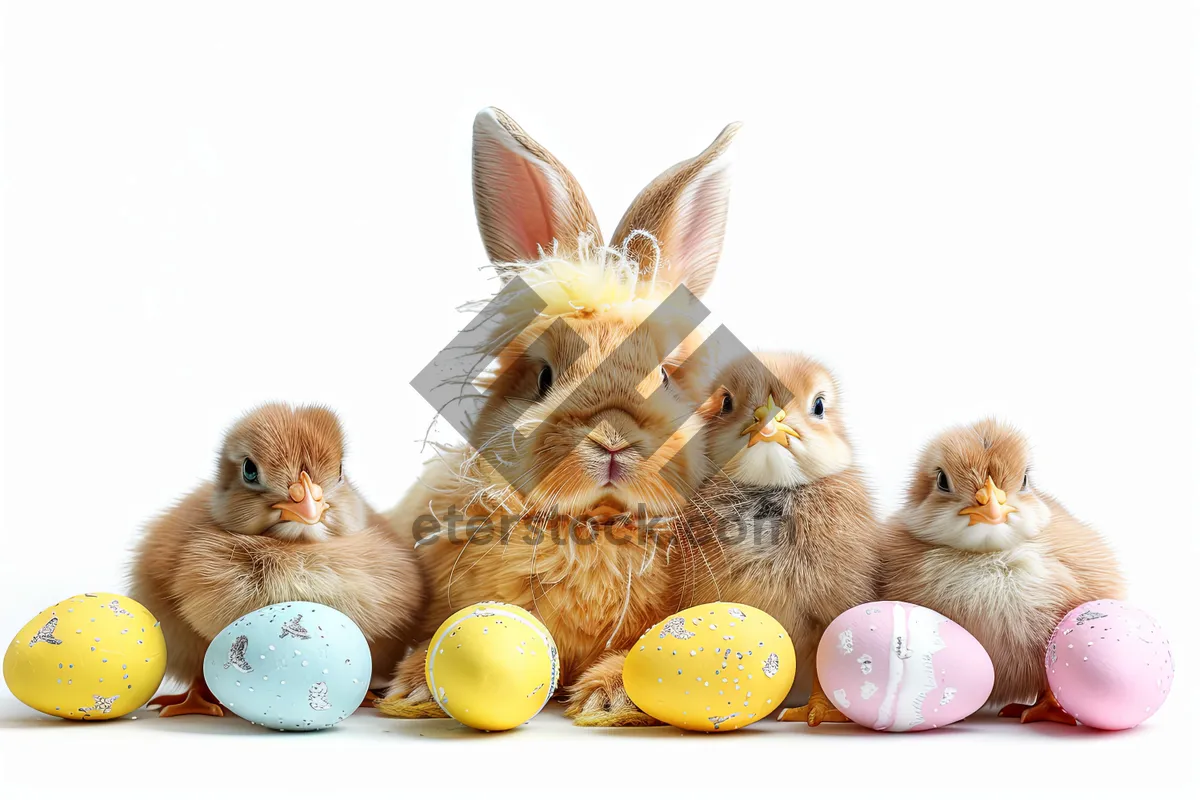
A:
[715,667]
[492,666]
[291,666]
[91,657]
[896,666]
[1109,665]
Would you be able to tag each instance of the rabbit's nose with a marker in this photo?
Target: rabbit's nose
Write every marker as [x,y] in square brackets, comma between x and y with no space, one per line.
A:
[609,442]
[608,436]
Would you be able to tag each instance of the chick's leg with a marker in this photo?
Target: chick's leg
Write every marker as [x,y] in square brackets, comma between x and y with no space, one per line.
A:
[408,695]
[185,649]
[598,699]
[818,709]
[196,700]
[1046,709]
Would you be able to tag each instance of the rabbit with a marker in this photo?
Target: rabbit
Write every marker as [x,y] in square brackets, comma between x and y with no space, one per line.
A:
[593,406]
[279,522]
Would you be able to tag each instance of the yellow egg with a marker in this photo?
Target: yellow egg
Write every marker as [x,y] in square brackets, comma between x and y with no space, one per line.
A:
[492,666]
[91,657]
[715,667]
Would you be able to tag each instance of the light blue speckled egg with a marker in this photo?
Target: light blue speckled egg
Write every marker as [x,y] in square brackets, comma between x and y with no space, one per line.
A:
[291,666]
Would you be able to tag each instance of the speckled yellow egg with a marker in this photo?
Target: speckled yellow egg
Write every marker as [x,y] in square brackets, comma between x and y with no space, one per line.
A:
[492,666]
[90,657]
[715,667]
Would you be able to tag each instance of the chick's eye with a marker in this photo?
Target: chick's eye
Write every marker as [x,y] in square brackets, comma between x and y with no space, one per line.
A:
[666,379]
[726,403]
[943,483]
[818,408]
[1025,481]
[249,471]
[545,380]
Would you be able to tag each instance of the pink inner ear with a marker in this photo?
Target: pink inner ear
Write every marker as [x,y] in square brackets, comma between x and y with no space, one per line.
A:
[701,223]
[694,235]
[530,215]
[523,204]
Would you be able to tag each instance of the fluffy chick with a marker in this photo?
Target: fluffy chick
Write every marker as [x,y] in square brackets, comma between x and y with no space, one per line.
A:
[980,544]
[278,522]
[786,525]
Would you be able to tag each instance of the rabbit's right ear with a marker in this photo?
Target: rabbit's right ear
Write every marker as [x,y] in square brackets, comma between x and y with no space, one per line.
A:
[684,209]
[524,197]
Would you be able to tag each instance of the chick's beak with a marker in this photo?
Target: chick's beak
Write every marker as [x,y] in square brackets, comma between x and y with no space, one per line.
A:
[989,505]
[768,425]
[308,504]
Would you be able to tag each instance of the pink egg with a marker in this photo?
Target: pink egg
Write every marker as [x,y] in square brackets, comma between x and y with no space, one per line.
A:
[901,667]
[1109,665]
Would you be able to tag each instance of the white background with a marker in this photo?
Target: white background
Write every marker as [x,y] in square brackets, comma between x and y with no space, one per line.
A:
[964,208]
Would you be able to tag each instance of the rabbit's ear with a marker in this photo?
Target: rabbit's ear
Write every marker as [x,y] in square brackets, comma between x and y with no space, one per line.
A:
[524,197]
[684,209]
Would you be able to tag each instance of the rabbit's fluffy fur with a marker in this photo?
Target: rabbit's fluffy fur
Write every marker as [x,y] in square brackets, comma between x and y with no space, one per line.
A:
[596,578]
[592,410]
[1008,583]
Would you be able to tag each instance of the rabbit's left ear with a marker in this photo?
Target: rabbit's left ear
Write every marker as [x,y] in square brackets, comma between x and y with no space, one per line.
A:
[684,208]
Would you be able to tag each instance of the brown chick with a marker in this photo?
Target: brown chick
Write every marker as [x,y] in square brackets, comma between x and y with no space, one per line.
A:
[978,543]
[787,525]
[279,522]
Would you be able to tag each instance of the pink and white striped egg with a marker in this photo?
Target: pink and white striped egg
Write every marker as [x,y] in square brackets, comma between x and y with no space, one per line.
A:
[896,666]
[1109,665]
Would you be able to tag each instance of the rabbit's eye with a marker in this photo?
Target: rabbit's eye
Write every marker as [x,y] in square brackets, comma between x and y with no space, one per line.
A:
[727,403]
[666,379]
[545,380]
[943,483]
[249,471]
[818,407]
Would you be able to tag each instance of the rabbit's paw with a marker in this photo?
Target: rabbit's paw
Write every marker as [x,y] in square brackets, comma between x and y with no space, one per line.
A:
[598,698]
[408,695]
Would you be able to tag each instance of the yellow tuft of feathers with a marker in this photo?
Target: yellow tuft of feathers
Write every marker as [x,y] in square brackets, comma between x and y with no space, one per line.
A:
[594,279]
